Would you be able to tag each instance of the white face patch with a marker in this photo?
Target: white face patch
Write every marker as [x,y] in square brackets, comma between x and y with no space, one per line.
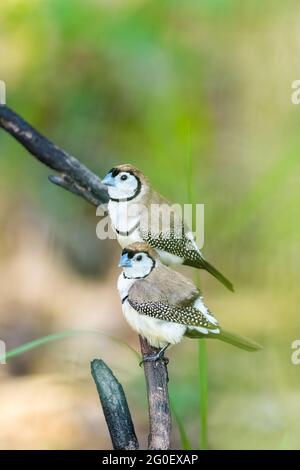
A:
[125,186]
[142,265]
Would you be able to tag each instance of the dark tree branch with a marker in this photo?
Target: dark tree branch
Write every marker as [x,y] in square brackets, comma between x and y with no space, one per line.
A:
[156,375]
[78,179]
[115,407]
[75,176]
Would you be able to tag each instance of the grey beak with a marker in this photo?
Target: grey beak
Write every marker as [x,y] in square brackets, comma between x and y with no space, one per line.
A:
[125,262]
[109,180]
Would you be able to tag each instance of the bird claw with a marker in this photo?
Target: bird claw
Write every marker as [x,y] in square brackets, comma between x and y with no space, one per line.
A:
[155,358]
[165,360]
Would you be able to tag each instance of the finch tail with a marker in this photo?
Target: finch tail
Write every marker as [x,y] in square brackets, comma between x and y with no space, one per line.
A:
[238,341]
[214,272]
[203,264]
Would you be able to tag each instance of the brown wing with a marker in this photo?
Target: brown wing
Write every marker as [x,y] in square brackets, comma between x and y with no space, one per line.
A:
[155,300]
[164,284]
[164,228]
[171,234]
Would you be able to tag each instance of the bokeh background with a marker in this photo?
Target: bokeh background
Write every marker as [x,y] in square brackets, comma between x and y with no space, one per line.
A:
[198,95]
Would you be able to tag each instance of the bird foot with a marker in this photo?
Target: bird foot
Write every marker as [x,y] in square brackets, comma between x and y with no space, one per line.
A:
[155,358]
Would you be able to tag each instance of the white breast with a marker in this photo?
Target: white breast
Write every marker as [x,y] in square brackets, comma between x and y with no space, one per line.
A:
[124,285]
[122,221]
[158,333]
[123,216]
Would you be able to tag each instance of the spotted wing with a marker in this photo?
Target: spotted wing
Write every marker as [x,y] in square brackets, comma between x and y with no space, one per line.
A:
[186,248]
[152,301]
[183,246]
[163,228]
[170,234]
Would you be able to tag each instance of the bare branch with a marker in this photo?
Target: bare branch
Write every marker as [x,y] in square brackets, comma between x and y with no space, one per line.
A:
[115,407]
[156,375]
[73,173]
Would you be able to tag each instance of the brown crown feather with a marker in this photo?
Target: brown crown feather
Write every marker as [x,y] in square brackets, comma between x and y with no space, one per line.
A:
[127,167]
[142,247]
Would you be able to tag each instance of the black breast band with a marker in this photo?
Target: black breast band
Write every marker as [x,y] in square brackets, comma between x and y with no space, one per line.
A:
[129,232]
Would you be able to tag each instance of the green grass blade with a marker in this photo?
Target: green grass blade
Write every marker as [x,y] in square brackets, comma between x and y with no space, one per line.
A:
[185,442]
[202,360]
[58,336]
[203,393]
[203,387]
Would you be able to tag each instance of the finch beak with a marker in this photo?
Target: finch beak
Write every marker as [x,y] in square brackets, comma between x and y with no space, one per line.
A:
[109,180]
[125,262]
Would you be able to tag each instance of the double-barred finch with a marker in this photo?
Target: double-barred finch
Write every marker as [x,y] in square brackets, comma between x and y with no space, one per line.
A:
[163,306]
[175,243]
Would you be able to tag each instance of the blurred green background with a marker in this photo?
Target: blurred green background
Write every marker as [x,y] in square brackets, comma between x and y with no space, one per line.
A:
[168,86]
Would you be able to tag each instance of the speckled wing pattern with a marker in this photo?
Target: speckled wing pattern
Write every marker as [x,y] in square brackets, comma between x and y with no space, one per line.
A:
[183,246]
[170,234]
[166,231]
[167,299]
[164,228]
[184,315]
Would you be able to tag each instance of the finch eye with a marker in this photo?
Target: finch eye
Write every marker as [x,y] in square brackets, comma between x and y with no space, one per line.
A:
[124,177]
[139,258]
